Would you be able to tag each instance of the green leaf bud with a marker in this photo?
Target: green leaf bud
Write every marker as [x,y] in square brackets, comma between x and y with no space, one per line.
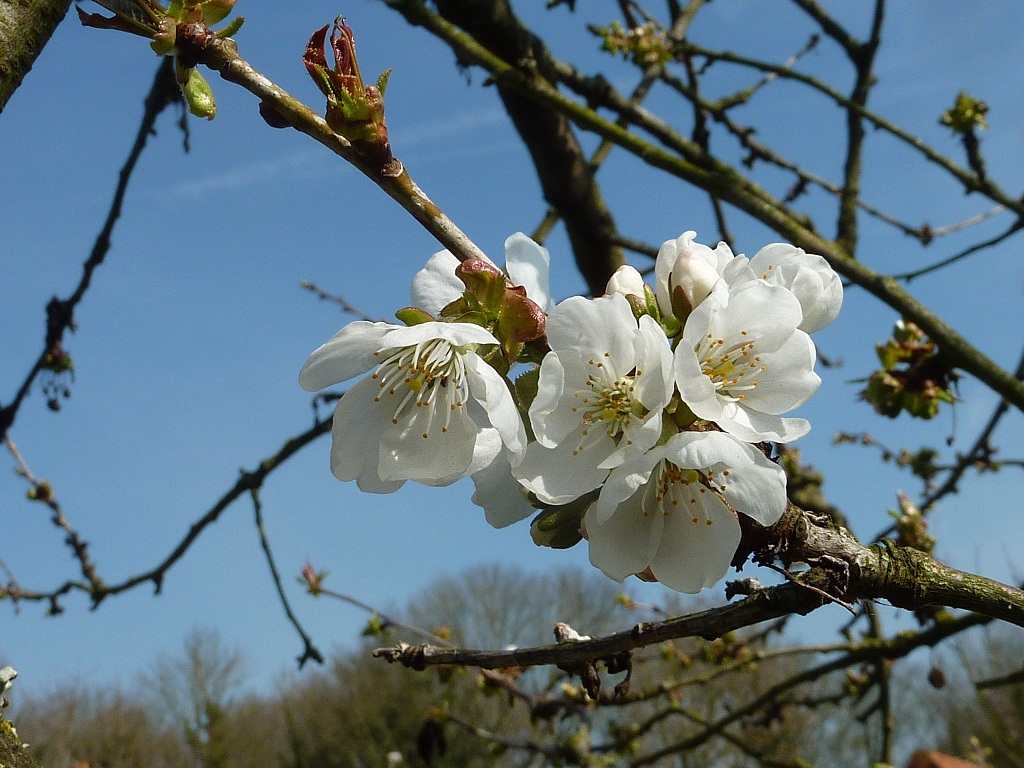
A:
[199,95]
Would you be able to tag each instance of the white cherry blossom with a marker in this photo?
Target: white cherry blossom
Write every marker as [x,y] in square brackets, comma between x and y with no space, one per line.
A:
[690,267]
[693,268]
[423,413]
[808,276]
[601,393]
[742,361]
[671,509]
[526,264]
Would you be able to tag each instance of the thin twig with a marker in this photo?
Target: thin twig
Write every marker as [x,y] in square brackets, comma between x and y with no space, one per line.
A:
[42,492]
[60,313]
[976,248]
[386,621]
[309,651]
[339,300]
[243,485]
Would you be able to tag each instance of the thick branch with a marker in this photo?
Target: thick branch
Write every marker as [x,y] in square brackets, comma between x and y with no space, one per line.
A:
[25,28]
[840,566]
[565,175]
[725,182]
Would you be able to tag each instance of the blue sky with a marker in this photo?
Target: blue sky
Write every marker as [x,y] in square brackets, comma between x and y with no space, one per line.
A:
[190,340]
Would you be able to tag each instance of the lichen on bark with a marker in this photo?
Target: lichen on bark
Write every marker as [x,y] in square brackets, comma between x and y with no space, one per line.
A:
[25,28]
[12,753]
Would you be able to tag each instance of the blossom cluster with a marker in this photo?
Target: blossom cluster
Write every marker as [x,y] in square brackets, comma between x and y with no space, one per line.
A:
[650,409]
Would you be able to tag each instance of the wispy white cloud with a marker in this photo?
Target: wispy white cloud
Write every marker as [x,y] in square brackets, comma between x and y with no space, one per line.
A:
[250,174]
[463,122]
[306,162]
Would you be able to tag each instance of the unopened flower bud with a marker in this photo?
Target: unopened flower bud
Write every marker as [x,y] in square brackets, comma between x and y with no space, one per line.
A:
[558,527]
[685,273]
[690,283]
[627,280]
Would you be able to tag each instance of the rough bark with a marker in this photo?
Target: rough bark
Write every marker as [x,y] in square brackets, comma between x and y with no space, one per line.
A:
[25,28]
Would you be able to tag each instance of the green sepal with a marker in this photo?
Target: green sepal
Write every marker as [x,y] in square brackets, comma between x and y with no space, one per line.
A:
[651,299]
[414,316]
[638,305]
[671,326]
[164,39]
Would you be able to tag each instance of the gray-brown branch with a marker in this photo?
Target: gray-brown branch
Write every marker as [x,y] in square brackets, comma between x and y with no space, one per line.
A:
[840,566]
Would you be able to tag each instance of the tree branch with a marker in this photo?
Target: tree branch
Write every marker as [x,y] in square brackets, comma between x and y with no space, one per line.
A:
[841,566]
[25,28]
[566,177]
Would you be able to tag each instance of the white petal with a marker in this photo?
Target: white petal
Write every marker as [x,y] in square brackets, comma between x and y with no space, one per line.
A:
[623,482]
[694,555]
[491,391]
[595,327]
[625,542]
[789,379]
[500,494]
[754,426]
[348,354]
[654,386]
[758,491]
[754,485]
[809,276]
[562,373]
[435,286]
[758,309]
[359,424]
[488,444]
[663,270]
[529,265]
[696,389]
[456,334]
[639,437]
[440,458]
[558,476]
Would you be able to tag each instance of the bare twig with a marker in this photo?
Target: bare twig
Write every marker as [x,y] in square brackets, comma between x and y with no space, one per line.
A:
[243,485]
[339,300]
[42,492]
[60,313]
[309,651]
